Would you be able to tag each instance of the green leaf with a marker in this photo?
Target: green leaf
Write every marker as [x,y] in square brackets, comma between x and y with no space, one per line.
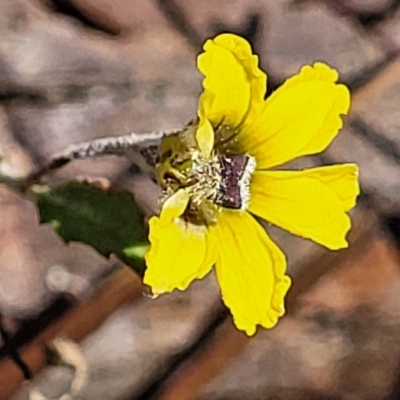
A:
[109,221]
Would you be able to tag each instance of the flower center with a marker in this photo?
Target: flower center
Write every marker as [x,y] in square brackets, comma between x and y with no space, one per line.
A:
[204,179]
[221,180]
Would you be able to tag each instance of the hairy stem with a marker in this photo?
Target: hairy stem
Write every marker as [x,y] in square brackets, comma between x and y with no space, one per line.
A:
[141,149]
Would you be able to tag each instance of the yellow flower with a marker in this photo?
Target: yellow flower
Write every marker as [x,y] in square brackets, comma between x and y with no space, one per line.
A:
[217,174]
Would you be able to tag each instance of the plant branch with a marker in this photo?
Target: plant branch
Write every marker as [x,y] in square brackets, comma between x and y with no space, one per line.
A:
[141,149]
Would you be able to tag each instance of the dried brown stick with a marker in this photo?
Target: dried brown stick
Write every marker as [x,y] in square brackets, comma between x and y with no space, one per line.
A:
[121,287]
[200,368]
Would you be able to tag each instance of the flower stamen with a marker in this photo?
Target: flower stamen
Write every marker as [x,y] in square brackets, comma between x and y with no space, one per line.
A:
[236,171]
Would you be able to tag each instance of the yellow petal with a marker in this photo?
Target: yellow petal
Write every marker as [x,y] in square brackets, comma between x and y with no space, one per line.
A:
[302,117]
[179,253]
[304,205]
[341,178]
[205,137]
[234,86]
[174,206]
[250,270]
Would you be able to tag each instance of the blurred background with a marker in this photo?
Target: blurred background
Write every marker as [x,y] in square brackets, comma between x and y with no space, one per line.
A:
[74,70]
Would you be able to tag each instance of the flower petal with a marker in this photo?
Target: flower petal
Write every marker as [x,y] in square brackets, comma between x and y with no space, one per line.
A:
[307,203]
[250,270]
[341,178]
[175,205]
[205,137]
[180,252]
[302,117]
[234,86]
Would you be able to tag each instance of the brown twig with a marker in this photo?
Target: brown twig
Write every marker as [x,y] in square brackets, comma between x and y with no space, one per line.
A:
[118,289]
[134,146]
